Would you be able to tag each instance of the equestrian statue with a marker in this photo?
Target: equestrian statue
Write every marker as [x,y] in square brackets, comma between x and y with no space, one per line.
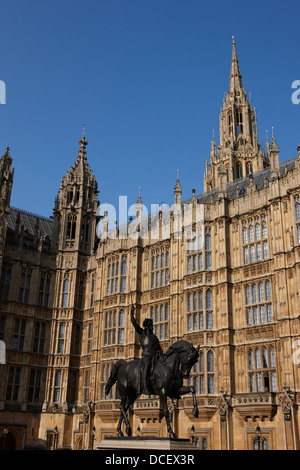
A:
[156,373]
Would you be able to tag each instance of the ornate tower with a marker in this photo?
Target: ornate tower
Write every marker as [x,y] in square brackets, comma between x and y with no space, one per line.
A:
[239,152]
[75,227]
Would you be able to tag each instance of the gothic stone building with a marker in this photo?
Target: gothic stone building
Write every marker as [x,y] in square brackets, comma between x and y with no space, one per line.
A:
[230,283]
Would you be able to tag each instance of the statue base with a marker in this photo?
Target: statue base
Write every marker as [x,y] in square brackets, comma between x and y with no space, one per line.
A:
[145,443]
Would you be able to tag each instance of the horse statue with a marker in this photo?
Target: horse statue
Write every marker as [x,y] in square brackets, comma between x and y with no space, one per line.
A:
[166,378]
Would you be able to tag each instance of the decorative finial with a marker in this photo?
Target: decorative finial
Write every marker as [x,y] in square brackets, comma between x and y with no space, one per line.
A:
[233,43]
[177,174]
[139,198]
[273,138]
[83,134]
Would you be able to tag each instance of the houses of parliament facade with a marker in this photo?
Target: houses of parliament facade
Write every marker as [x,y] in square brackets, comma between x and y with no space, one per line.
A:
[228,282]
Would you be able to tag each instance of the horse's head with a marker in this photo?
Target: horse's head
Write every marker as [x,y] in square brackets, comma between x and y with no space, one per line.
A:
[188,359]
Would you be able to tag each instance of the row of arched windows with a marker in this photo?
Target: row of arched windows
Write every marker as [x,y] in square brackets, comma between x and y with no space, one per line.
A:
[114,325]
[262,369]
[202,374]
[116,277]
[255,239]
[199,256]
[258,303]
[200,310]
[160,268]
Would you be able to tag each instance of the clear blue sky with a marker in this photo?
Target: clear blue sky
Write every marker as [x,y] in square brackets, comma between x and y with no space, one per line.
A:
[148,78]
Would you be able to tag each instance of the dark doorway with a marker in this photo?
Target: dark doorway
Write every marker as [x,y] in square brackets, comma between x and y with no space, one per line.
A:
[8,442]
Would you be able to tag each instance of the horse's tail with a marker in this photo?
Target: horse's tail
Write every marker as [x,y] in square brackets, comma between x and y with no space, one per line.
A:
[113,375]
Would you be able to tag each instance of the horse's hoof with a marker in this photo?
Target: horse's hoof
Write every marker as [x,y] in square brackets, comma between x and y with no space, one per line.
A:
[172,435]
[195,412]
[120,434]
[128,431]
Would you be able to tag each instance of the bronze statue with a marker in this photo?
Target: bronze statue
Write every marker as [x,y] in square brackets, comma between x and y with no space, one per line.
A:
[151,351]
[166,377]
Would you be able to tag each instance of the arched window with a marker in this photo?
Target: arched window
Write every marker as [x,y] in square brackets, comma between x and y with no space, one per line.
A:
[210,361]
[272,357]
[257,359]
[251,234]
[260,444]
[71,227]
[208,299]
[57,382]
[245,236]
[265,358]
[204,443]
[65,292]
[201,361]
[251,359]
[195,303]
[248,295]
[209,306]
[200,300]
[61,338]
[264,230]
[208,264]
[207,241]
[121,327]
[254,293]
[239,171]
[189,302]
[261,292]
[239,121]
[123,273]
[257,232]
[264,444]
[268,290]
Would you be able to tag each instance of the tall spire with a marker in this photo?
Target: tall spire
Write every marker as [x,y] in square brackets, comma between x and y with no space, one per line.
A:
[83,143]
[239,152]
[235,74]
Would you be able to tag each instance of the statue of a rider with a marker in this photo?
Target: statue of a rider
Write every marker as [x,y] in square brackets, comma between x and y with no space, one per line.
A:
[151,351]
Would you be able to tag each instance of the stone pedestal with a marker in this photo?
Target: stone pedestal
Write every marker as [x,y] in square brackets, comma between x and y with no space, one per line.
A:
[144,443]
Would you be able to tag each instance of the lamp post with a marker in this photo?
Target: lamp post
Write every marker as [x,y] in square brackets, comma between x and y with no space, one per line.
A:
[193,433]
[257,437]
[55,433]
[5,432]
[93,436]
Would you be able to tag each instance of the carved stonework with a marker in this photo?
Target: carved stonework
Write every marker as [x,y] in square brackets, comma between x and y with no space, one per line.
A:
[255,406]
[286,400]
[148,410]
[223,405]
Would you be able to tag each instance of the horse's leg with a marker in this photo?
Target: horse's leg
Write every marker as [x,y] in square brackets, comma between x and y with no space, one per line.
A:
[120,434]
[190,389]
[128,428]
[125,404]
[122,414]
[164,404]
[124,407]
